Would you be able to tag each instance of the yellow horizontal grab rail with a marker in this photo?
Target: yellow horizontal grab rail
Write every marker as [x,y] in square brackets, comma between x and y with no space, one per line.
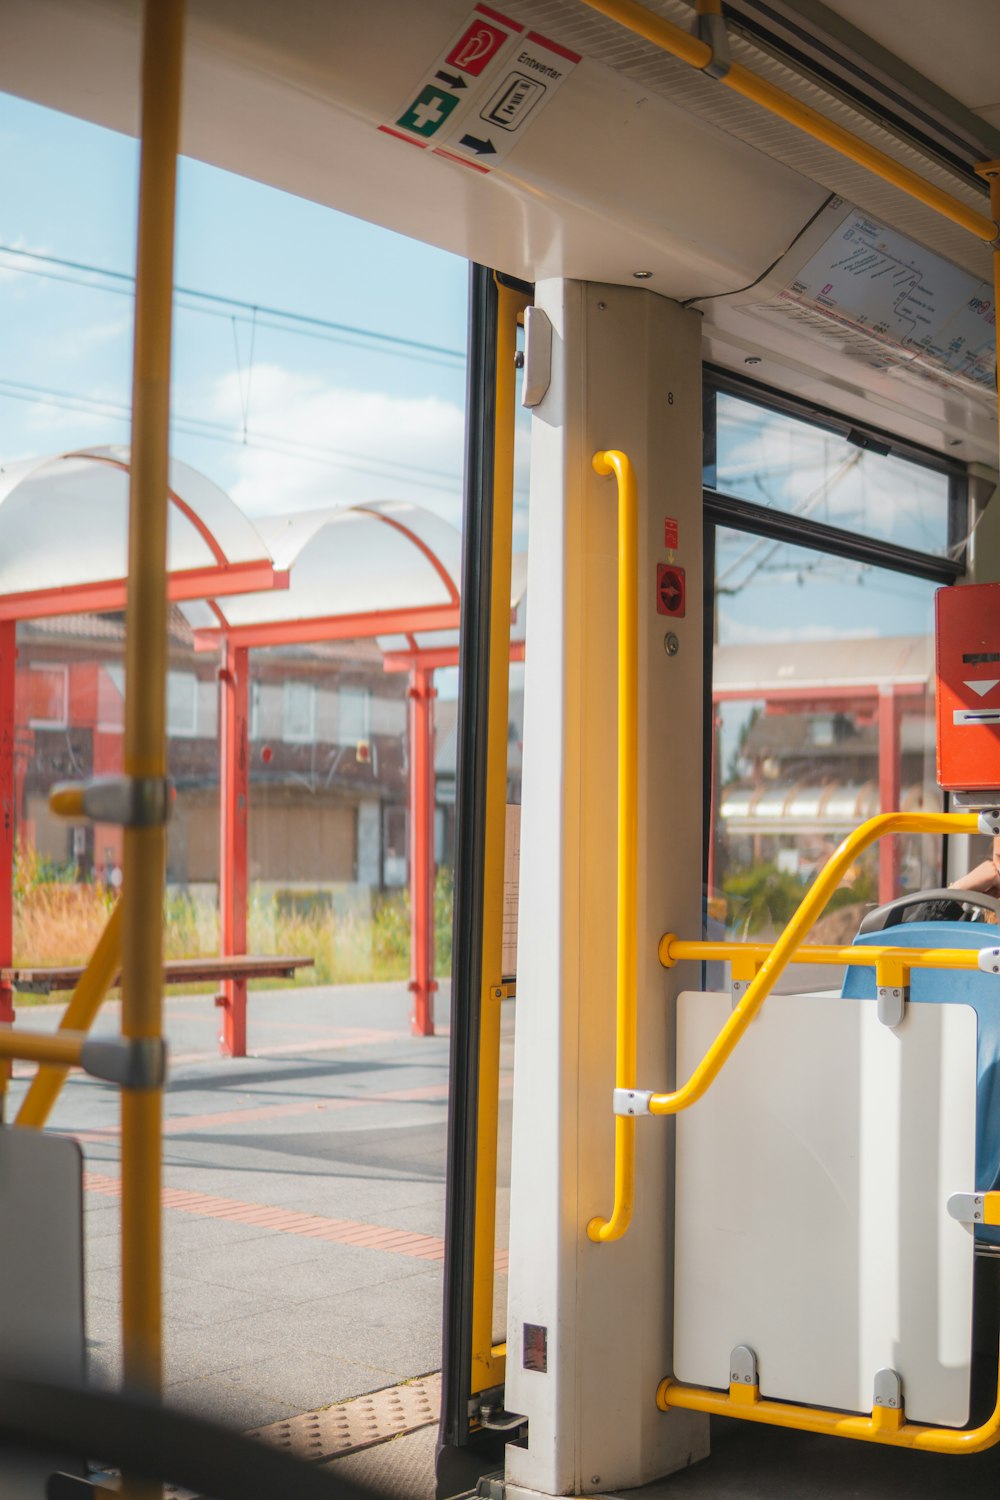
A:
[808,911]
[698,54]
[61,1048]
[885,1425]
[615,462]
[136,1065]
[748,957]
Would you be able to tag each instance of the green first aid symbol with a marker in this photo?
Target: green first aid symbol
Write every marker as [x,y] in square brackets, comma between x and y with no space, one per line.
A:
[428,112]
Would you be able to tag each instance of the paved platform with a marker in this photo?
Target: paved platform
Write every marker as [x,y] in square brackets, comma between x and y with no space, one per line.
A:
[303,1200]
[303,1220]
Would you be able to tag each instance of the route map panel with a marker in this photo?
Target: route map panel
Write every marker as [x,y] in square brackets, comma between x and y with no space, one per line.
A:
[872,283]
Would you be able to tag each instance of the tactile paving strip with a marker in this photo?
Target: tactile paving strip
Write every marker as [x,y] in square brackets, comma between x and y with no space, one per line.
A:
[358,1423]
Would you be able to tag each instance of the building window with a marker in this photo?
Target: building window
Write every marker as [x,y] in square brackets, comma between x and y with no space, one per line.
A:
[111,698]
[395,852]
[254,711]
[354,715]
[48,696]
[182,705]
[300,711]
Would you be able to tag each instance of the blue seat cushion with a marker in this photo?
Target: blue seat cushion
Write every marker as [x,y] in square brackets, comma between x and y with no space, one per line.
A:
[954,987]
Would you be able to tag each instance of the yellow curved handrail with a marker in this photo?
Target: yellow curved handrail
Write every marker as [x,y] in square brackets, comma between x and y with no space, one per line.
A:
[722,1047]
[809,909]
[885,1425]
[615,462]
[85,1002]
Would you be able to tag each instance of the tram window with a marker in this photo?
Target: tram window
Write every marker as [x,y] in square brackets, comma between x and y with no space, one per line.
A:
[823,714]
[788,464]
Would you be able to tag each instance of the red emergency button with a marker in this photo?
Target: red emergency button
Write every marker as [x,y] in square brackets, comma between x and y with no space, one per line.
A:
[670,590]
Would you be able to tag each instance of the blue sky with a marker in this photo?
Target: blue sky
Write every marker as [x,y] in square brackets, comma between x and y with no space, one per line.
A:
[288,417]
[771,592]
[326,419]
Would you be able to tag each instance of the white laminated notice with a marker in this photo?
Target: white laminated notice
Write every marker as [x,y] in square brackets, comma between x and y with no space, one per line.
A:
[812,1188]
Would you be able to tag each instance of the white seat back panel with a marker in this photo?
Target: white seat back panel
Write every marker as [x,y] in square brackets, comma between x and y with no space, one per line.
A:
[812,1189]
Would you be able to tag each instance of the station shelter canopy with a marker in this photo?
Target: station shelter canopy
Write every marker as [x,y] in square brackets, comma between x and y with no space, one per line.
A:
[380,569]
[439,648]
[384,570]
[64,536]
[355,571]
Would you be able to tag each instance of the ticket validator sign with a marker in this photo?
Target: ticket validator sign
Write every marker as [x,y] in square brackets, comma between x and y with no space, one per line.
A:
[968,687]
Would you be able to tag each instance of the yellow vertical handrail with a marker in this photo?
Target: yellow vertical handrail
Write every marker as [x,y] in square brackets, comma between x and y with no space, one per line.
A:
[145,743]
[615,462]
[488,1365]
[94,983]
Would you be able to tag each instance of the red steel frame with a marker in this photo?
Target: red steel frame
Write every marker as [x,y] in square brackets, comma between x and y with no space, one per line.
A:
[8,782]
[96,598]
[235,642]
[218,581]
[422,982]
[887,703]
[234,828]
[233,813]
[234,792]
[890,717]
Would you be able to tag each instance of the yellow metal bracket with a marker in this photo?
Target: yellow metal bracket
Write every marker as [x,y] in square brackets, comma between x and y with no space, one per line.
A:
[975,1208]
[128,801]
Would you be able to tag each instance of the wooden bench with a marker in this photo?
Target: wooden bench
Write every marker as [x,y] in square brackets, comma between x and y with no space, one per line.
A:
[45,981]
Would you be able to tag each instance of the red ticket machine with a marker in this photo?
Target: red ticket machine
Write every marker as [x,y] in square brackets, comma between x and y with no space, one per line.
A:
[968,687]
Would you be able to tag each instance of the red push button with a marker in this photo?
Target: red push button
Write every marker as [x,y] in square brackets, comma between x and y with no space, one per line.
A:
[670,590]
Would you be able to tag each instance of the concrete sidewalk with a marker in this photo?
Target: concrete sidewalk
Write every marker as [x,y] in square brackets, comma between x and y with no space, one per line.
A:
[303,1200]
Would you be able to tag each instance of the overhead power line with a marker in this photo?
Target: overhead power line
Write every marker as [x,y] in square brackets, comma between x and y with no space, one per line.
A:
[269,442]
[123,284]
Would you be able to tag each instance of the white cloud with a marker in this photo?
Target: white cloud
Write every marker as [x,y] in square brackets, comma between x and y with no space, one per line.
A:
[15,269]
[322,444]
[70,429]
[80,341]
[810,472]
[738,632]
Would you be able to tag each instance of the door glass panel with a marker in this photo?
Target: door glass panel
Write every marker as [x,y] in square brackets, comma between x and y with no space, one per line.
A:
[823,713]
[791,465]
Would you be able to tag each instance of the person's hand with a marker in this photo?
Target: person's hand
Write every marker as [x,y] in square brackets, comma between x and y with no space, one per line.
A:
[984,877]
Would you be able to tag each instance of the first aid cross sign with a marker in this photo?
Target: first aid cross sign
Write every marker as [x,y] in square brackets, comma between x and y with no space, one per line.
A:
[429,110]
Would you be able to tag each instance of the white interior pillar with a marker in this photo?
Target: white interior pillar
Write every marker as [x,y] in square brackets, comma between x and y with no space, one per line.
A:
[625,374]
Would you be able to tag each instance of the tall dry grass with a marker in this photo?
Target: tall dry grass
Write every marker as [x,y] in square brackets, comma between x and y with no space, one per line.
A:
[58,920]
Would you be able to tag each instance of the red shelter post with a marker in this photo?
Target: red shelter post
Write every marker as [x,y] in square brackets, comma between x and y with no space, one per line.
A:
[8,791]
[422,982]
[889,717]
[234,789]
